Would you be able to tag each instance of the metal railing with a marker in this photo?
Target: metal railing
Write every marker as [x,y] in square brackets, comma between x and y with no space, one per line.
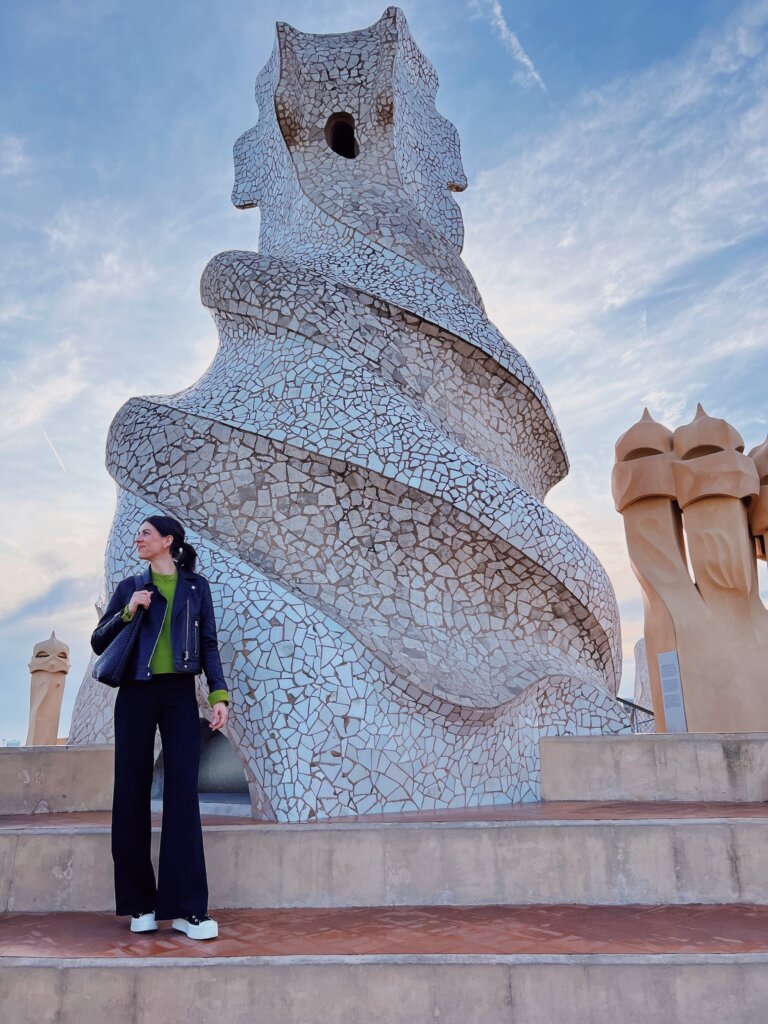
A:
[640,719]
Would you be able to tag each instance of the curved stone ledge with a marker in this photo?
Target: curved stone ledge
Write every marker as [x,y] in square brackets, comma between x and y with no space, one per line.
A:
[325,729]
[479,390]
[445,590]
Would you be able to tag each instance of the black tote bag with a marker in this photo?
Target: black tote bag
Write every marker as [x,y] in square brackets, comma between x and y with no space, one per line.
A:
[110,666]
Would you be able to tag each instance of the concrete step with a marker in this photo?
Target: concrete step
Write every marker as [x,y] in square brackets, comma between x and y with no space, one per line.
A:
[669,965]
[531,854]
[695,766]
[49,779]
[391,990]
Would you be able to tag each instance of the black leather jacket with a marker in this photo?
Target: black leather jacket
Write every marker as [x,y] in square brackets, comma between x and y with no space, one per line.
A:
[193,627]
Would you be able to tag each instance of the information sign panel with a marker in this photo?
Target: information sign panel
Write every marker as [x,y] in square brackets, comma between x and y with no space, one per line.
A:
[672,692]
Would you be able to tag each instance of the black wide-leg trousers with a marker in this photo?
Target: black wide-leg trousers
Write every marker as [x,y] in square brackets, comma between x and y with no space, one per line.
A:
[166,702]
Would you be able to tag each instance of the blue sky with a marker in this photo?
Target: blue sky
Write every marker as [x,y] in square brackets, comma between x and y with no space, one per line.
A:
[616,224]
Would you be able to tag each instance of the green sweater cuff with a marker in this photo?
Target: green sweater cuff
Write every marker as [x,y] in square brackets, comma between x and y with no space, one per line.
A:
[218,695]
[127,616]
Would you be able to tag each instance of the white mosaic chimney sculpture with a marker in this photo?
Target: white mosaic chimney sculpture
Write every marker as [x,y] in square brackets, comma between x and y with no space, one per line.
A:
[363,465]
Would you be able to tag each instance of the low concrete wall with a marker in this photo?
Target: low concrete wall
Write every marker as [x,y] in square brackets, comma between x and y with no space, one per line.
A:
[389,990]
[719,860]
[692,767]
[43,779]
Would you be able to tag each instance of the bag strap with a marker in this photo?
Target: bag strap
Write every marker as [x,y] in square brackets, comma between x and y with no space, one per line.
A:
[138,583]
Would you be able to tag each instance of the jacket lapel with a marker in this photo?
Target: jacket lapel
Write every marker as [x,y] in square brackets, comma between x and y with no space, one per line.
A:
[156,611]
[183,587]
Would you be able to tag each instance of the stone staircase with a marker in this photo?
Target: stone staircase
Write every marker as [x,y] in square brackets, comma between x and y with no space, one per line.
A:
[637,891]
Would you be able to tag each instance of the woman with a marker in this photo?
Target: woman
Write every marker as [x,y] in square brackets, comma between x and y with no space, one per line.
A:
[176,641]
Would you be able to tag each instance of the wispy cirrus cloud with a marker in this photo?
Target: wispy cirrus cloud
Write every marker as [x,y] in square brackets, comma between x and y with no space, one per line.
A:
[642,183]
[632,268]
[616,252]
[103,254]
[492,12]
[14,158]
[38,388]
[13,310]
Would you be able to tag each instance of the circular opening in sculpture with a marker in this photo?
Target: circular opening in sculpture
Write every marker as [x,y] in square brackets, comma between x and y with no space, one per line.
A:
[340,135]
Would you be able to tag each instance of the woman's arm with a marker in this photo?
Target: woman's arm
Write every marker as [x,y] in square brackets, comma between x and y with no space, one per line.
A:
[111,622]
[209,650]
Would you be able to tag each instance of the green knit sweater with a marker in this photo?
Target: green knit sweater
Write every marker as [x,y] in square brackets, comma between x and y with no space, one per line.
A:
[161,662]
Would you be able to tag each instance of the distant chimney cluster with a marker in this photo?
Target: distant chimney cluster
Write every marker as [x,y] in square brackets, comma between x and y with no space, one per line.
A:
[695,511]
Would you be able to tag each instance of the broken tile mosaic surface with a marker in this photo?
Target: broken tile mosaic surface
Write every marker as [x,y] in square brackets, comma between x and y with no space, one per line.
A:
[362,469]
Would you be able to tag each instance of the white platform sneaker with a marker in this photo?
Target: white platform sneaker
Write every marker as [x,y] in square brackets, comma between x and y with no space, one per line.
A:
[197,927]
[144,923]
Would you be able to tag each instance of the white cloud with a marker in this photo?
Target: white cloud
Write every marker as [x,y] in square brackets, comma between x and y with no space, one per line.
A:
[598,251]
[14,158]
[45,542]
[37,389]
[624,253]
[102,254]
[639,181]
[10,311]
[491,11]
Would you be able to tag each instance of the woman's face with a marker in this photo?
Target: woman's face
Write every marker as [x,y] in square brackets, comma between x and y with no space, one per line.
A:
[150,542]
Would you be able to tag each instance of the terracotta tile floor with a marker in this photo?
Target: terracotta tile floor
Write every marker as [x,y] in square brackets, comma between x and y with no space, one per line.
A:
[555,811]
[388,930]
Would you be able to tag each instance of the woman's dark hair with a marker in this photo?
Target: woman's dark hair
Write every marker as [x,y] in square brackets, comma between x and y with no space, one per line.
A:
[183,554]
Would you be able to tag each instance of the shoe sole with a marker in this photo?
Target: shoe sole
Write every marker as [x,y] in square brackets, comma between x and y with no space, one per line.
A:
[144,926]
[205,930]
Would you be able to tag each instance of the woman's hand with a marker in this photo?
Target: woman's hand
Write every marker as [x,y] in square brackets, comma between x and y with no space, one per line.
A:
[139,599]
[220,715]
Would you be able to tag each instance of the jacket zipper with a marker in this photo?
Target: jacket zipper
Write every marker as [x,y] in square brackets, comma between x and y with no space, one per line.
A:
[152,654]
[186,636]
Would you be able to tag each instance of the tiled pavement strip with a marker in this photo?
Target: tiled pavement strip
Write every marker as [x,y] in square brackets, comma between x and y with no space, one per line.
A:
[573,930]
